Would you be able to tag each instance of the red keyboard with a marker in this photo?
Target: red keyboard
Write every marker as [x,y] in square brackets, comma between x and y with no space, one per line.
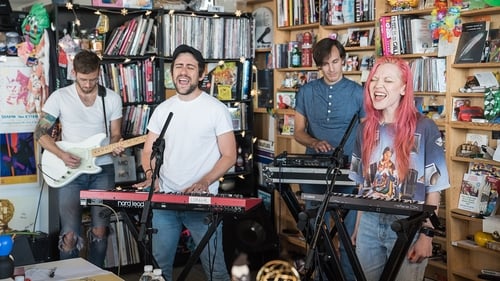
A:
[228,203]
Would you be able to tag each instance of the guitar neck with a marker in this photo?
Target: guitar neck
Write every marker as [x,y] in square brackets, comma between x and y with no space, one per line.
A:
[99,151]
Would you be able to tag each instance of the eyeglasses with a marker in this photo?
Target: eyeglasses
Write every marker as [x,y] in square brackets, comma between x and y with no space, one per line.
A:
[89,81]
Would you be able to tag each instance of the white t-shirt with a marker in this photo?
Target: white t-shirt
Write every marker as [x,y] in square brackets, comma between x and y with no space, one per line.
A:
[80,122]
[191,148]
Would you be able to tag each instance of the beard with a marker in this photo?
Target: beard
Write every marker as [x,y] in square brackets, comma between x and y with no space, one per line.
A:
[190,90]
[86,90]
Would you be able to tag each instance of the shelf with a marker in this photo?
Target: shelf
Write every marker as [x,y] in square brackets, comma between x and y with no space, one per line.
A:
[468,273]
[349,25]
[439,239]
[414,56]
[360,49]
[260,110]
[429,94]
[474,160]
[476,65]
[264,50]
[437,263]
[480,12]
[475,126]
[283,89]
[440,122]
[472,246]
[299,27]
[285,111]
[468,95]
[285,136]
[466,218]
[415,12]
[293,69]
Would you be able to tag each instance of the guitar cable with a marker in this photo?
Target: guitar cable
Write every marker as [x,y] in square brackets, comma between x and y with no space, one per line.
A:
[41,171]
[118,231]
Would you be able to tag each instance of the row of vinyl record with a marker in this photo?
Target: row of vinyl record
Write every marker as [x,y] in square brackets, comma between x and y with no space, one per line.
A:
[429,74]
[132,38]
[122,246]
[215,37]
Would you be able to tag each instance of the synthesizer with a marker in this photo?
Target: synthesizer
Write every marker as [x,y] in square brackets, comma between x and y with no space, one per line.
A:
[224,203]
[305,175]
[369,204]
[286,159]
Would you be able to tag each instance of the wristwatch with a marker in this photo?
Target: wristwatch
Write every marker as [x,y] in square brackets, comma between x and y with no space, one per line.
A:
[429,232]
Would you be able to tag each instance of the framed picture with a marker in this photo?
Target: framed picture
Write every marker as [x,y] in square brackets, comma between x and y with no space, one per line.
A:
[263,28]
[17,153]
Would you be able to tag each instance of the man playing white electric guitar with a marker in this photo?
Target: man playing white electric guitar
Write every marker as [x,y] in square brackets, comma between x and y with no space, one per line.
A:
[86,112]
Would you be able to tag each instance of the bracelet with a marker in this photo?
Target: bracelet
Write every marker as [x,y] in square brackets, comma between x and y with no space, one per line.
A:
[429,232]
[146,172]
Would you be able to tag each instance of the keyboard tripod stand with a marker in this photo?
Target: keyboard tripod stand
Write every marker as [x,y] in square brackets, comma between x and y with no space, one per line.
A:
[325,252]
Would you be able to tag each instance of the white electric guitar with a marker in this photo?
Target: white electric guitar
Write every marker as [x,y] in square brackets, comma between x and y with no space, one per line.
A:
[57,174]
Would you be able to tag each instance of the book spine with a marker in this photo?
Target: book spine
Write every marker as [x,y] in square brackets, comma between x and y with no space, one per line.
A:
[385,34]
[395,40]
[148,67]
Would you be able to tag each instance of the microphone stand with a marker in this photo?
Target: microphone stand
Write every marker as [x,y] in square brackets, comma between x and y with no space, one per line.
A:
[320,226]
[157,151]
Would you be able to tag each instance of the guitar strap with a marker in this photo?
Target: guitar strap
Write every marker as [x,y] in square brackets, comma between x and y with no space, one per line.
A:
[102,93]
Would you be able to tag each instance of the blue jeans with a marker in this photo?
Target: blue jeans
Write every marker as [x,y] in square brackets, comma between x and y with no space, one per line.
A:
[374,244]
[349,221]
[70,214]
[169,224]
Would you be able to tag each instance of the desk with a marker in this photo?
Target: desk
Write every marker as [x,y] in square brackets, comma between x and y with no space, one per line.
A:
[66,270]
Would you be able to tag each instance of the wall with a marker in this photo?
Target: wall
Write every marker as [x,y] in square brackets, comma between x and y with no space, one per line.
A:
[27,196]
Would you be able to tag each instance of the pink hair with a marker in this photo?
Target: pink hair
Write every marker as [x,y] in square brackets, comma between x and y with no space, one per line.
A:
[406,120]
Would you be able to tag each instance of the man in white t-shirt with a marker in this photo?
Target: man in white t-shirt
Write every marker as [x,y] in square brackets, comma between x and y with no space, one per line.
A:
[83,112]
[199,149]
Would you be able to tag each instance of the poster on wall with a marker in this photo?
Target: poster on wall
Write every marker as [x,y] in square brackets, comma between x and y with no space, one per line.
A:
[18,165]
[18,104]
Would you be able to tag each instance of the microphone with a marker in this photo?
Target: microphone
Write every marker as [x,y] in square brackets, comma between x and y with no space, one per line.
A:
[159,144]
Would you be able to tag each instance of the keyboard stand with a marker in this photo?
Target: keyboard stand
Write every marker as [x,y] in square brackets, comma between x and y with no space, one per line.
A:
[405,229]
[217,218]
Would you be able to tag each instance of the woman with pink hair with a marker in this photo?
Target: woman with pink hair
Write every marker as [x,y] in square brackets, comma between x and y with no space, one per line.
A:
[393,123]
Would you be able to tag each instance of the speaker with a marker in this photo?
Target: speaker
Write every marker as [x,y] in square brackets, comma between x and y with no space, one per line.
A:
[30,249]
[265,81]
[251,233]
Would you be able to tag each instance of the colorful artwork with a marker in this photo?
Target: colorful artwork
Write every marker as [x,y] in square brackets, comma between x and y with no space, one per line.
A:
[18,104]
[18,165]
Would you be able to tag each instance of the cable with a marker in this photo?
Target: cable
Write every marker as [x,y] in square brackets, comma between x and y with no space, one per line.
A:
[38,206]
[118,233]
